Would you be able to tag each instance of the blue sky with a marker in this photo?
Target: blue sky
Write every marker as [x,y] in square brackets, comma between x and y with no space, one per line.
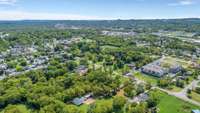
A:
[98,9]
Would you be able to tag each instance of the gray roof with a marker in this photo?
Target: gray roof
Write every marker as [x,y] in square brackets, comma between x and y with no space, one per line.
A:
[78,101]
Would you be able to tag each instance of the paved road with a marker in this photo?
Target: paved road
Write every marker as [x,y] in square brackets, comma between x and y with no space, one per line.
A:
[183,94]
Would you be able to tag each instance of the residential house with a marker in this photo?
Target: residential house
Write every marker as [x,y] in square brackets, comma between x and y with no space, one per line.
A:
[132,66]
[78,101]
[175,68]
[82,70]
[141,98]
[1,60]
[41,60]
[129,74]
[17,50]
[195,65]
[65,42]
[10,71]
[75,39]
[3,66]
[81,100]
[20,50]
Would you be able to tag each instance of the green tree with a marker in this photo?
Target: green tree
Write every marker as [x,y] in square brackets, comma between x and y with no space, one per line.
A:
[153,99]
[19,68]
[16,109]
[118,103]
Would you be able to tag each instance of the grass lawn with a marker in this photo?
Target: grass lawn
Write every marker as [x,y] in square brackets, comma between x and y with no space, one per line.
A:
[83,108]
[195,96]
[199,84]
[146,78]
[108,47]
[171,104]
[175,89]
[172,60]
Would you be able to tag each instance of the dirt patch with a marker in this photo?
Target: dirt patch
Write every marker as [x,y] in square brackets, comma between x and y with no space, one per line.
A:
[89,101]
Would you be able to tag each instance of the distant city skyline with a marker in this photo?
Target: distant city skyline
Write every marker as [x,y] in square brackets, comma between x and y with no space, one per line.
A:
[98,9]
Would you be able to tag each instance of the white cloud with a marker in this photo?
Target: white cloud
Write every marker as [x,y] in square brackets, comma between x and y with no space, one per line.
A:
[7,2]
[23,15]
[182,3]
[186,2]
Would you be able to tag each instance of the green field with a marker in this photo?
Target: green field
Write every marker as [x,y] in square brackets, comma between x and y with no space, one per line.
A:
[170,104]
[171,60]
[195,96]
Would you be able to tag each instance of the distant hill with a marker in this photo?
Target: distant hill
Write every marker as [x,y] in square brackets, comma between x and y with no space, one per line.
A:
[189,24]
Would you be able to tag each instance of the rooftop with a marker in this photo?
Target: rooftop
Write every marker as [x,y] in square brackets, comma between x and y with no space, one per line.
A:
[195,111]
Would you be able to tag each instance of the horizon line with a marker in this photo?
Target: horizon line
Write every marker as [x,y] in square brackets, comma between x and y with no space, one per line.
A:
[101,19]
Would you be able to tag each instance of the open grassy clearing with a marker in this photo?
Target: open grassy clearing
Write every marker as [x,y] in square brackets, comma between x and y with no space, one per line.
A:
[120,93]
[195,96]
[108,47]
[171,104]
[175,89]
[172,60]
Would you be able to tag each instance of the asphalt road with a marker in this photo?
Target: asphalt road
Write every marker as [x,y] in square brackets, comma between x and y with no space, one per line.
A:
[183,93]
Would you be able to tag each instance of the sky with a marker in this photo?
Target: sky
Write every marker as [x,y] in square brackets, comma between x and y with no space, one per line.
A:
[98,9]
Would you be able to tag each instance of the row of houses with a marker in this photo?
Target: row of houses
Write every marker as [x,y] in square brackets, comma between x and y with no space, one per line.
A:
[118,33]
[40,61]
[33,62]
[20,50]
